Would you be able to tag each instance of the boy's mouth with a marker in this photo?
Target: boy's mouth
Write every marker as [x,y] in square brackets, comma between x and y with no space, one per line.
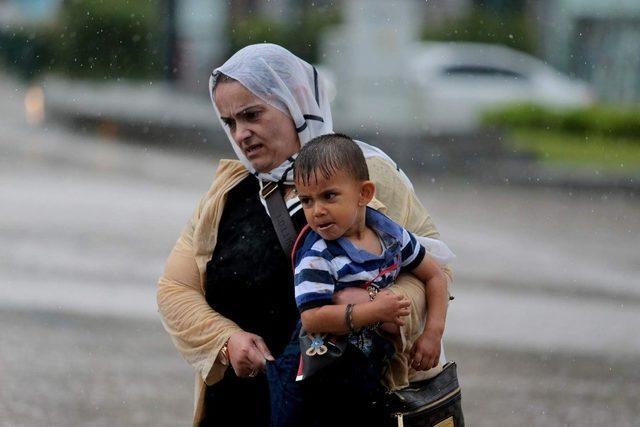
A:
[325,226]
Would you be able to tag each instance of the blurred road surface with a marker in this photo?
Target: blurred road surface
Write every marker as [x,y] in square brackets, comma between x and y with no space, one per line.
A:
[544,324]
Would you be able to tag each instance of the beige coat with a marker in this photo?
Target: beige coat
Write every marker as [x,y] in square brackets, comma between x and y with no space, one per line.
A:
[199,332]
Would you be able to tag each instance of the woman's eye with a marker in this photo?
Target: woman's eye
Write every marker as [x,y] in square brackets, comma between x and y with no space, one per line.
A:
[229,123]
[251,115]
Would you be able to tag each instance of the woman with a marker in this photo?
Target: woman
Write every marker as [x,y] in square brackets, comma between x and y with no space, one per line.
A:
[226,296]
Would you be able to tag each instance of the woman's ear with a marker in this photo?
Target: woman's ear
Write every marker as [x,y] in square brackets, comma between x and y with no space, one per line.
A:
[367,191]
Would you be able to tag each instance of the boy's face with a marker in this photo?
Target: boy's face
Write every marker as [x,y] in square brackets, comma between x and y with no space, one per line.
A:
[333,207]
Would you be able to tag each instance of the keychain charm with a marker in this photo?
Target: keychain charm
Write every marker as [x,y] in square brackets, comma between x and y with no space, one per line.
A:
[317,345]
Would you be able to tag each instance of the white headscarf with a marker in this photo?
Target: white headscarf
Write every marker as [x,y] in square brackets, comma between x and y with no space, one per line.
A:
[291,85]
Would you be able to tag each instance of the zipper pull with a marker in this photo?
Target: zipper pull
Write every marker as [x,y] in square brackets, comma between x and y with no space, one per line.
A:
[400,418]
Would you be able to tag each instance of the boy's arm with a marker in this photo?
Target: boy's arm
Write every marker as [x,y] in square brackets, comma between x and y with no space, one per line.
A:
[387,307]
[314,283]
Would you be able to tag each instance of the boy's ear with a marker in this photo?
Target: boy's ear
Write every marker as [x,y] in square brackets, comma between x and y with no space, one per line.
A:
[367,191]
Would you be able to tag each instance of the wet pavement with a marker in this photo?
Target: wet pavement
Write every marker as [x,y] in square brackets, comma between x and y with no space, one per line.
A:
[66,369]
[543,325]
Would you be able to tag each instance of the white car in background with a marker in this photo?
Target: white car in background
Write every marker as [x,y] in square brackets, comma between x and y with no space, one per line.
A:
[456,82]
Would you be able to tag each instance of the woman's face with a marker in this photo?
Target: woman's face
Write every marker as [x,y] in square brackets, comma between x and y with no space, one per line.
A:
[266,135]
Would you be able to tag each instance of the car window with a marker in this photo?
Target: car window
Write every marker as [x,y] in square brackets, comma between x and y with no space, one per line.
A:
[481,71]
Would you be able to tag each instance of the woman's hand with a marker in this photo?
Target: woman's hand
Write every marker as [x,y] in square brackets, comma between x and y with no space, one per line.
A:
[248,354]
[425,353]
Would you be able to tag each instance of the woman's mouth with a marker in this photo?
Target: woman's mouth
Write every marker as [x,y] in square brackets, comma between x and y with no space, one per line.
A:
[252,150]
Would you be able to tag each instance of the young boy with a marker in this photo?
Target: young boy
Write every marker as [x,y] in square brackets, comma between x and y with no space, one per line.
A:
[353,246]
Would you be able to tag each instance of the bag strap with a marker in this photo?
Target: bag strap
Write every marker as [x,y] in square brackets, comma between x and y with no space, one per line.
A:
[297,244]
[279,215]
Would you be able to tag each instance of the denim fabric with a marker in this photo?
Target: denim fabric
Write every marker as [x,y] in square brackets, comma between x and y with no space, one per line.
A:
[347,392]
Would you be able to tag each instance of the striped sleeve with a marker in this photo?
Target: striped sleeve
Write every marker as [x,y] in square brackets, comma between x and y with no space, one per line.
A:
[314,281]
[412,252]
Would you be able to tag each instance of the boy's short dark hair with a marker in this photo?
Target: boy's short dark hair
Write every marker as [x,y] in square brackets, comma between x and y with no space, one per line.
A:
[328,154]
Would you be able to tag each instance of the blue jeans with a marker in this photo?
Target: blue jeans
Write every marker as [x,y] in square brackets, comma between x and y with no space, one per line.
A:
[346,392]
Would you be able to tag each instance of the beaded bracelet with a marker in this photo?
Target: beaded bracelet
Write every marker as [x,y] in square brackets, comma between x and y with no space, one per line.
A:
[348,318]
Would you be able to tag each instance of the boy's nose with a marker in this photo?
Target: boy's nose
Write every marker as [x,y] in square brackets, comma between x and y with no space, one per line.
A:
[319,210]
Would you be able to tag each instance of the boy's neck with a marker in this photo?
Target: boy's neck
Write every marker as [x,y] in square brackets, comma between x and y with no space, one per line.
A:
[364,237]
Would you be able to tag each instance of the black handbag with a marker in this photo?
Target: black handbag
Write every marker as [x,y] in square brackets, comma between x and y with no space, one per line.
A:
[434,402]
[318,351]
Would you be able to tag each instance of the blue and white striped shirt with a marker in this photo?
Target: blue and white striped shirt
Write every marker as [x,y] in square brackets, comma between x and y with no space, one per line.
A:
[324,267]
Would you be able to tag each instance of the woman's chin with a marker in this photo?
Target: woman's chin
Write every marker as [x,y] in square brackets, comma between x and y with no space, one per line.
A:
[261,166]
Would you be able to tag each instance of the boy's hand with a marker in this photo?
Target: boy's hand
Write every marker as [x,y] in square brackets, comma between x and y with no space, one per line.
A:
[390,307]
[425,353]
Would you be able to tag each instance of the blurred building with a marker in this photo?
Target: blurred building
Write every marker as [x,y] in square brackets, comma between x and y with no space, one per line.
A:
[20,12]
[436,12]
[202,31]
[276,10]
[598,41]
[369,55]
[200,40]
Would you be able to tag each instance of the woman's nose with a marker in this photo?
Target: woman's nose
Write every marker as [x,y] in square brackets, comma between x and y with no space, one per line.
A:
[242,133]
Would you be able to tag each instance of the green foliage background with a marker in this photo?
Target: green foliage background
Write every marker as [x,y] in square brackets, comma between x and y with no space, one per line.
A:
[110,38]
[28,51]
[606,138]
[99,39]
[605,121]
[483,25]
[301,36]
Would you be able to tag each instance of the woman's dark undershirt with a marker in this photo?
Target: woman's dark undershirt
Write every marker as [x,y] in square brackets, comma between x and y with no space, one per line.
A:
[249,280]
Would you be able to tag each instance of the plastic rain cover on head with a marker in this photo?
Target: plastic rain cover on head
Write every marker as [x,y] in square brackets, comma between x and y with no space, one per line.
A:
[285,82]
[291,85]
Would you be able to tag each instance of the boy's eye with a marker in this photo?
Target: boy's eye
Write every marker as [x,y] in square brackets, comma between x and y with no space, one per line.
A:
[330,196]
[305,201]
